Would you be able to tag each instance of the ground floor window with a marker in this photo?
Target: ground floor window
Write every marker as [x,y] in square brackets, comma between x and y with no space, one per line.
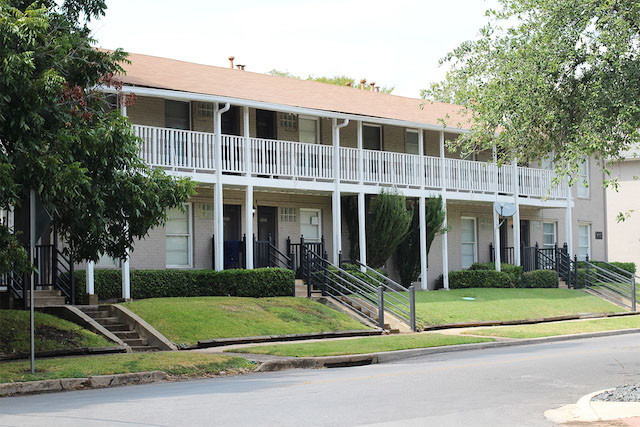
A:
[179,237]
[549,234]
[469,242]
[310,224]
[584,241]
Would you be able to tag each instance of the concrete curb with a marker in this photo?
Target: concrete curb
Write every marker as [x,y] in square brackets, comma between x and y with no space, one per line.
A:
[155,338]
[317,362]
[587,411]
[75,352]
[528,321]
[98,381]
[220,342]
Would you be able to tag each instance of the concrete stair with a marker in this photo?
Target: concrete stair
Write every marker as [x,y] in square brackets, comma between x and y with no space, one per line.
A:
[122,330]
[45,298]
[365,308]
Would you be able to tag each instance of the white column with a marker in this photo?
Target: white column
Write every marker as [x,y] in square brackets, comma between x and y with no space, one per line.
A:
[362,229]
[360,153]
[126,275]
[218,204]
[336,208]
[516,217]
[248,203]
[496,218]
[90,282]
[423,242]
[421,154]
[569,220]
[445,243]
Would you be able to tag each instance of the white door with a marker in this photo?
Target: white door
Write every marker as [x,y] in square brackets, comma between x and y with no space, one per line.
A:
[310,227]
[584,241]
[469,244]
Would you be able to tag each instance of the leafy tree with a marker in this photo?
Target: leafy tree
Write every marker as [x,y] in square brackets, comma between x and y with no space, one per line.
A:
[407,256]
[59,136]
[550,78]
[387,223]
[335,80]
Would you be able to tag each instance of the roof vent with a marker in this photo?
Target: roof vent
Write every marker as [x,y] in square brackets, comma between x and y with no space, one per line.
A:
[240,67]
[231,58]
[372,86]
[349,84]
[362,83]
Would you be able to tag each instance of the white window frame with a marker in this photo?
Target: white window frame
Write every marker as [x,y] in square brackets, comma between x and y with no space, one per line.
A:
[415,131]
[555,234]
[475,240]
[319,211]
[584,190]
[189,206]
[315,119]
[373,125]
[588,225]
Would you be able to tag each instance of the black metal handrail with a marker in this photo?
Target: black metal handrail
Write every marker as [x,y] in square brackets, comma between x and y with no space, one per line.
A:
[294,249]
[55,269]
[610,278]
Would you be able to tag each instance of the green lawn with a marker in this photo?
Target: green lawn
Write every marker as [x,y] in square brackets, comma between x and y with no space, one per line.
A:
[173,363]
[494,304]
[360,345]
[560,328]
[187,320]
[51,333]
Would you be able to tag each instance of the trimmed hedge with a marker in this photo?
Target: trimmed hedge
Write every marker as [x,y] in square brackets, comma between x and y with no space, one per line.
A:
[478,279]
[515,271]
[539,279]
[626,266]
[260,282]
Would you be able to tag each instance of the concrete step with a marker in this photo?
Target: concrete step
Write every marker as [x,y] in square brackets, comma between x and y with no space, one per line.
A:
[300,282]
[105,321]
[118,327]
[136,342]
[98,314]
[47,301]
[126,335]
[45,293]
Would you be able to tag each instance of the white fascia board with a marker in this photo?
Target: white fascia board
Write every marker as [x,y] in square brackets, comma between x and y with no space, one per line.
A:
[190,96]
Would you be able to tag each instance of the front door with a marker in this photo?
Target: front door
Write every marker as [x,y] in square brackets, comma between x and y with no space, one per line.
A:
[267,223]
[524,232]
[266,124]
[233,249]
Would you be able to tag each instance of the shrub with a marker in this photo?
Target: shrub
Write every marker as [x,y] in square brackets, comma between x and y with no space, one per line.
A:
[539,279]
[515,271]
[626,266]
[261,282]
[478,279]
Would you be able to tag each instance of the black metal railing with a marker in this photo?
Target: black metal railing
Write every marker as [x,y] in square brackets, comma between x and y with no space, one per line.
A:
[267,254]
[55,269]
[608,280]
[294,249]
[507,254]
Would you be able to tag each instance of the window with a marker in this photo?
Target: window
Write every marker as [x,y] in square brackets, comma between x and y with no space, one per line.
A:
[176,115]
[469,251]
[584,241]
[372,137]
[549,234]
[106,261]
[204,110]
[288,215]
[309,130]
[288,121]
[547,163]
[583,184]
[310,227]
[178,243]
[411,142]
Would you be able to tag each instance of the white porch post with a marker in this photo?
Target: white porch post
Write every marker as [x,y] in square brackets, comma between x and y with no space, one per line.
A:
[496,218]
[516,217]
[218,205]
[90,284]
[336,208]
[362,229]
[248,204]
[445,244]
[126,275]
[569,221]
[360,154]
[423,243]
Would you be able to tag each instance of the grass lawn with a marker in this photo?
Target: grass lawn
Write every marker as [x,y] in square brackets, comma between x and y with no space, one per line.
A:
[437,307]
[560,328]
[51,333]
[187,320]
[173,363]
[360,345]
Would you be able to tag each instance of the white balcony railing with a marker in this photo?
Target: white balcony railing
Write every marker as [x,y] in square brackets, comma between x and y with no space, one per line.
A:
[189,150]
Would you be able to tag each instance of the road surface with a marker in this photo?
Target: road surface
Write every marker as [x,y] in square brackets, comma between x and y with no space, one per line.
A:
[493,387]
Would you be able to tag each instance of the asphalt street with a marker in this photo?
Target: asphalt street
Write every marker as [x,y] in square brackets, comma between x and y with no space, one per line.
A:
[492,387]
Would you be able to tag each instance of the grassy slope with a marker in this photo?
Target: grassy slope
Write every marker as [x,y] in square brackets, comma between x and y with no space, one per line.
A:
[173,363]
[437,307]
[560,328]
[51,333]
[187,320]
[360,345]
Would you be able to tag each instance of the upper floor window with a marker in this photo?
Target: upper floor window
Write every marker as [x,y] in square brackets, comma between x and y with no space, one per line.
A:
[176,115]
[372,137]
[411,141]
[309,129]
[583,184]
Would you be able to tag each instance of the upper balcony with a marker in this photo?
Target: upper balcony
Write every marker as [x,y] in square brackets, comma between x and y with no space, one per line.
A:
[192,151]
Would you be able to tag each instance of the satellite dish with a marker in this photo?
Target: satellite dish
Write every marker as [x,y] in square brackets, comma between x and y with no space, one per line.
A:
[505,209]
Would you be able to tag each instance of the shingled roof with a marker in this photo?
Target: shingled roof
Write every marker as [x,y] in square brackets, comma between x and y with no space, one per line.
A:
[164,73]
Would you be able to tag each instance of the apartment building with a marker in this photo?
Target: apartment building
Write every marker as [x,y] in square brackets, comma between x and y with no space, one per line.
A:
[273,157]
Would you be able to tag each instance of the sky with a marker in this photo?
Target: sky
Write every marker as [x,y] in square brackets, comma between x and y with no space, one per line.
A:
[393,43]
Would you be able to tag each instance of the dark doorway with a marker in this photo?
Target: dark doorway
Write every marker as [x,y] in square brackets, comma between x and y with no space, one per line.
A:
[266,124]
[267,222]
[524,232]
[231,222]
[176,115]
[230,123]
